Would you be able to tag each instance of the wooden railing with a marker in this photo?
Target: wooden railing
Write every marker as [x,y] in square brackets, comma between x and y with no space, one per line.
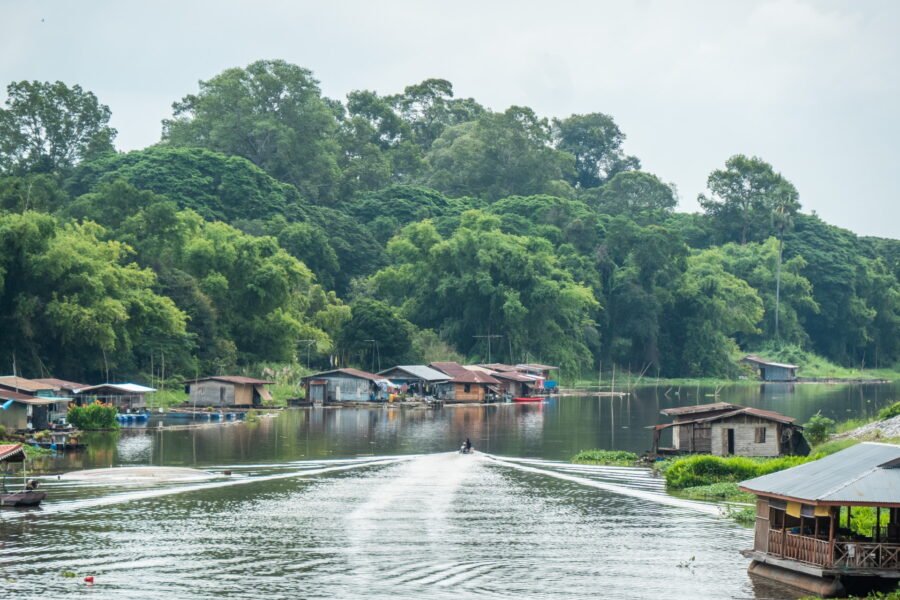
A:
[799,547]
[845,555]
[867,555]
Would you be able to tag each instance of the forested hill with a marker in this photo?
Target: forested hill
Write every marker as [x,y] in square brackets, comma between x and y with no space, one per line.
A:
[271,223]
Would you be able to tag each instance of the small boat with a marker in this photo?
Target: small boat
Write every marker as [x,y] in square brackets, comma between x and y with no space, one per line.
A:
[10,453]
[529,399]
[22,499]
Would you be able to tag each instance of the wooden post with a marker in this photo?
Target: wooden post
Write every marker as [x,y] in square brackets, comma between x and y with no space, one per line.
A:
[877,524]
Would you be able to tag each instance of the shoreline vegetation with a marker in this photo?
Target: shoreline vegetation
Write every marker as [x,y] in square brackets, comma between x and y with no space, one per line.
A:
[716,478]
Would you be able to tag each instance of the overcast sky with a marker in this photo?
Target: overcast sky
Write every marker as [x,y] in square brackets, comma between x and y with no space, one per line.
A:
[813,87]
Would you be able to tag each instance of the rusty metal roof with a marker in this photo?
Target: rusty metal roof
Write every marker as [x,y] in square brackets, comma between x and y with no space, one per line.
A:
[867,473]
[61,383]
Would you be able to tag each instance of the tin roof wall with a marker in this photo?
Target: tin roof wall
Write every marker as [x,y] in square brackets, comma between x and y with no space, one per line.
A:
[28,385]
[422,372]
[867,473]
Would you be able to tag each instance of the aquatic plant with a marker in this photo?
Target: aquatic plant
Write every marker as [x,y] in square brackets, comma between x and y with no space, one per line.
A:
[93,416]
[889,412]
[618,458]
[704,469]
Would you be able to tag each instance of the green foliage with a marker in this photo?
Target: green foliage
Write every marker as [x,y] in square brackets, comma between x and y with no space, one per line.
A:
[705,469]
[596,143]
[482,280]
[93,416]
[637,195]
[818,428]
[376,335]
[744,515]
[48,127]
[719,492]
[889,412]
[618,458]
[273,114]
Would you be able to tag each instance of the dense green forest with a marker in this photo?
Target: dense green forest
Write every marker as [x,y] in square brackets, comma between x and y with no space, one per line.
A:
[271,224]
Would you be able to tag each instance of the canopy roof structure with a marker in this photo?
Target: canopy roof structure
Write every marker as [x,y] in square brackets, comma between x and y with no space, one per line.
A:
[239,379]
[12,453]
[122,388]
[752,358]
[867,474]
[346,371]
[459,374]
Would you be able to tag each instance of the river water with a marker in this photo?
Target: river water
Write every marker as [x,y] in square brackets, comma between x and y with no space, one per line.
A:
[373,503]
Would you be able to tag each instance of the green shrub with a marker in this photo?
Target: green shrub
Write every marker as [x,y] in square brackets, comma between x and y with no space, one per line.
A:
[705,469]
[889,412]
[93,416]
[818,429]
[605,457]
[718,492]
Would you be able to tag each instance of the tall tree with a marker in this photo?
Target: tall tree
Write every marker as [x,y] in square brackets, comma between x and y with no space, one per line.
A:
[596,143]
[743,197]
[641,196]
[271,113]
[48,127]
[429,107]
[500,154]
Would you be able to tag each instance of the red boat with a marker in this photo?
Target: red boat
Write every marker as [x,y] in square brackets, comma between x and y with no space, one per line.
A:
[529,399]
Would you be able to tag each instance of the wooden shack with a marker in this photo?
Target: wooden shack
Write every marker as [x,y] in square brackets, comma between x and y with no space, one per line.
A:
[124,396]
[805,534]
[465,385]
[343,385]
[228,390]
[725,429]
[770,370]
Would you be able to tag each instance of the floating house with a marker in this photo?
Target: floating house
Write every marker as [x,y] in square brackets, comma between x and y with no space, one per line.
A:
[545,374]
[726,429]
[804,531]
[124,396]
[228,390]
[515,384]
[24,412]
[772,371]
[465,385]
[415,379]
[344,385]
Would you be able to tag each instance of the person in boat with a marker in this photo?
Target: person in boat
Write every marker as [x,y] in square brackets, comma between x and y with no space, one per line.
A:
[468,445]
[32,485]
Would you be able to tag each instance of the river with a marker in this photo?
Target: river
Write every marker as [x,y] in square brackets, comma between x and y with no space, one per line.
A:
[352,503]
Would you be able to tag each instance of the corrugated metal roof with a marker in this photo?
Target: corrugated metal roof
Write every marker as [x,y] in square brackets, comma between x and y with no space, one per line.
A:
[28,385]
[865,473]
[234,379]
[761,361]
[756,412]
[347,371]
[498,367]
[698,408]
[537,367]
[11,395]
[62,383]
[514,376]
[460,374]
[418,372]
[130,388]
[12,452]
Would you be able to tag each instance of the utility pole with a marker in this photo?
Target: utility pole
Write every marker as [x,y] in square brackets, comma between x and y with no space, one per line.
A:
[309,344]
[489,337]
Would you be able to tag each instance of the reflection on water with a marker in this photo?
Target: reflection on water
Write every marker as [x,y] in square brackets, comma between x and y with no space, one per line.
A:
[346,503]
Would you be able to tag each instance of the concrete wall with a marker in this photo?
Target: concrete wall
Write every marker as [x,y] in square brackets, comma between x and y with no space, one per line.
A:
[15,417]
[745,437]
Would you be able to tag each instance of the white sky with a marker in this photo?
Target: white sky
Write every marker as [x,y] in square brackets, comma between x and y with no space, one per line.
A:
[813,87]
